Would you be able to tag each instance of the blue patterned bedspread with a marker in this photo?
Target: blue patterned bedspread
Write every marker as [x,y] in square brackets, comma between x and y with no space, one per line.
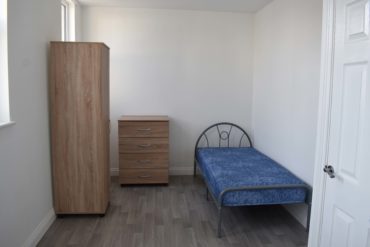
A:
[225,168]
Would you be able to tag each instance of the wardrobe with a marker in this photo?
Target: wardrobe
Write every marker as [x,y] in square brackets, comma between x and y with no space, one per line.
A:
[79,120]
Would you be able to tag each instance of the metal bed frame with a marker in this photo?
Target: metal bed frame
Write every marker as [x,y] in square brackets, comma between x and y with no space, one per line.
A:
[222,131]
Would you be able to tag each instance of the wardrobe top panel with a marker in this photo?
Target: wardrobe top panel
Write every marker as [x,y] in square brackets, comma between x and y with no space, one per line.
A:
[72,42]
[144,118]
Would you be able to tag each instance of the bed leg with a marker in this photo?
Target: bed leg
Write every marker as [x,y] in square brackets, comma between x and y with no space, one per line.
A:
[308,217]
[219,222]
[195,169]
[309,205]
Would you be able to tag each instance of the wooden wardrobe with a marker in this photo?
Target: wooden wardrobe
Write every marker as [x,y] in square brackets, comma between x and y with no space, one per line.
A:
[79,118]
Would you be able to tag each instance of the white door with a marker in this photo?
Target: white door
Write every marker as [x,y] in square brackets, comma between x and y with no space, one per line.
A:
[346,208]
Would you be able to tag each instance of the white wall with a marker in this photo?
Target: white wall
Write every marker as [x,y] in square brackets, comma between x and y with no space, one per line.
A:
[194,66]
[286,84]
[25,176]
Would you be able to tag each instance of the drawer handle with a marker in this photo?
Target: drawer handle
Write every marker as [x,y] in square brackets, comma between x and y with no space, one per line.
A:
[147,129]
[145,145]
[144,176]
[144,161]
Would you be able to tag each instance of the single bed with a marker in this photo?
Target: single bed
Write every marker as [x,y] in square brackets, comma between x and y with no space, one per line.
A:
[236,174]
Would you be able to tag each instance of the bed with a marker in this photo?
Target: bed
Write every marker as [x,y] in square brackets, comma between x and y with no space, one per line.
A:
[236,174]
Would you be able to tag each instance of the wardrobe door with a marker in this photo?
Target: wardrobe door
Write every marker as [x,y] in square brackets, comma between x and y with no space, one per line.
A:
[103,144]
[79,128]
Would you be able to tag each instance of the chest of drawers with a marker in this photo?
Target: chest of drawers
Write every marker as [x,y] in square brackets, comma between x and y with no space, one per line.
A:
[143,149]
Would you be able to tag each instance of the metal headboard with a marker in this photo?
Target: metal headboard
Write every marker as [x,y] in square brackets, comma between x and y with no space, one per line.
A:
[224,135]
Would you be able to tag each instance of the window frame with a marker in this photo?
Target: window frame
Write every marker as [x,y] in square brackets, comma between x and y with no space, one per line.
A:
[5,117]
[68,20]
[64,6]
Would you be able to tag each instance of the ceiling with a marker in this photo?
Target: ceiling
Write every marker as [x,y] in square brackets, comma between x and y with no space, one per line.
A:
[248,6]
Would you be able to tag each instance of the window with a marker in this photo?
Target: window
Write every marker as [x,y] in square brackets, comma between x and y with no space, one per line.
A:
[4,81]
[64,8]
[68,20]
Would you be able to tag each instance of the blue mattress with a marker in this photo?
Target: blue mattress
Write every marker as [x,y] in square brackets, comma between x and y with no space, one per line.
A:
[225,168]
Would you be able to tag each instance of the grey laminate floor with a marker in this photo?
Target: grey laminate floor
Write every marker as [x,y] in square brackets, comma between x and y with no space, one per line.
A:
[175,216]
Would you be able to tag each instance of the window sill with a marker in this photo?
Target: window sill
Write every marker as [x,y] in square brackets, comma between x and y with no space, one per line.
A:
[6,124]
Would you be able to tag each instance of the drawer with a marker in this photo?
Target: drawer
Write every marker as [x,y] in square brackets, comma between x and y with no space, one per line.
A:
[146,160]
[143,176]
[143,145]
[143,129]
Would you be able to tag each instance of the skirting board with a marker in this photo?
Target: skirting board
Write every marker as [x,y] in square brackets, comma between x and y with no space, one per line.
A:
[174,171]
[181,171]
[40,230]
[114,172]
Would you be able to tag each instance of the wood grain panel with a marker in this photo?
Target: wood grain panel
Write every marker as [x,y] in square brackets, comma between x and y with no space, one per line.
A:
[79,105]
[143,176]
[143,129]
[143,145]
[105,126]
[146,118]
[146,160]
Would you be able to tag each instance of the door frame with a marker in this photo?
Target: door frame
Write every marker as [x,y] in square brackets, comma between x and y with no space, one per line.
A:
[323,124]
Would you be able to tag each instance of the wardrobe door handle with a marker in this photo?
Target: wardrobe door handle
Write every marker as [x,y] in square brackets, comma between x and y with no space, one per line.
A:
[144,176]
